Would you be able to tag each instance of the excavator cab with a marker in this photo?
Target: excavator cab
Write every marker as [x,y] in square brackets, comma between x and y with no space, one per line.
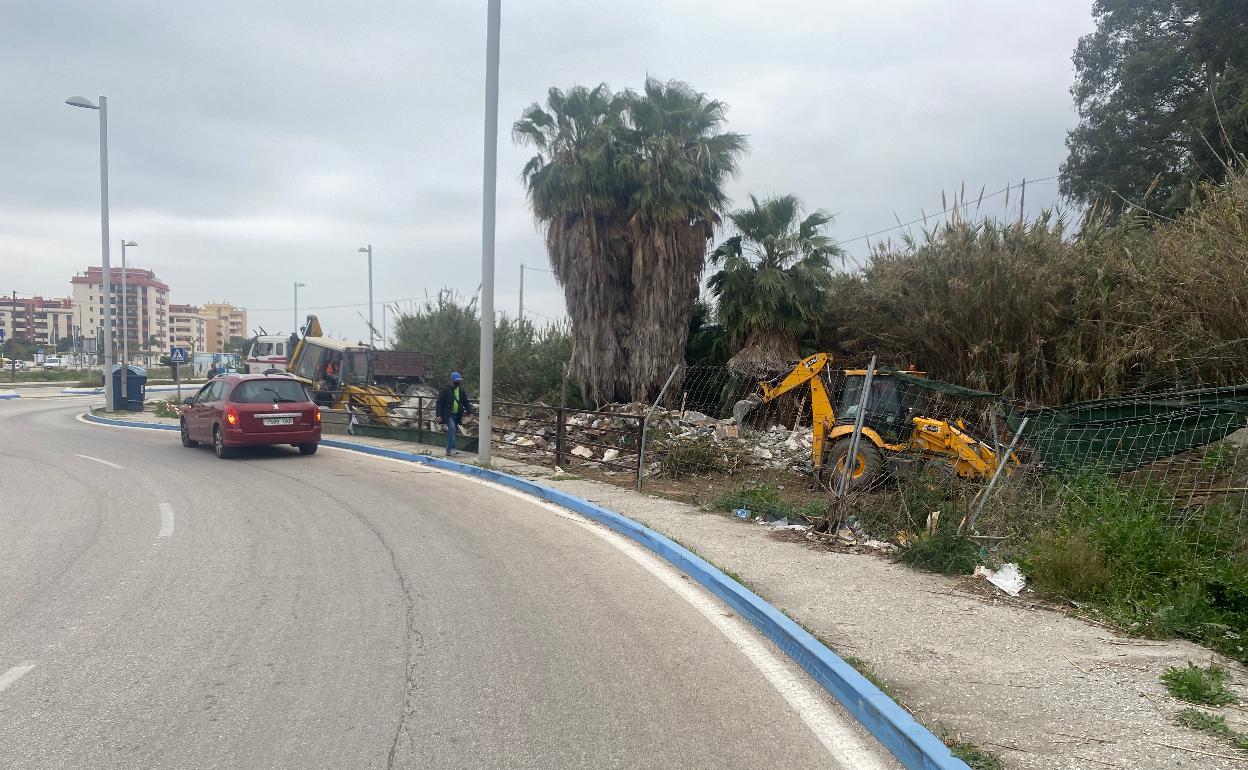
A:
[890,409]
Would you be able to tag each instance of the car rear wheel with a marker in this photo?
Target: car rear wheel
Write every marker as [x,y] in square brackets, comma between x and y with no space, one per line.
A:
[307,449]
[187,441]
[218,444]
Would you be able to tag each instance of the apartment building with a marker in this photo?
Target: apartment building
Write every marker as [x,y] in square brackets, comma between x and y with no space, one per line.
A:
[224,322]
[37,320]
[146,301]
[188,328]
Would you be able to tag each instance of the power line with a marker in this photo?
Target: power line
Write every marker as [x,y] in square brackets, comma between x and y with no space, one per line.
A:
[962,205]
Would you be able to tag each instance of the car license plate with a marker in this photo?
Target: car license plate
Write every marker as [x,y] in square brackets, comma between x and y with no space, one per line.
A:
[279,420]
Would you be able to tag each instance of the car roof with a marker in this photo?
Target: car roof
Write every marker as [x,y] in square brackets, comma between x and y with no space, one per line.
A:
[247,377]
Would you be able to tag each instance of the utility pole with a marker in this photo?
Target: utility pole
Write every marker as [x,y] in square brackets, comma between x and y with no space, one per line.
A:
[489,188]
[520,317]
[372,330]
[13,358]
[295,330]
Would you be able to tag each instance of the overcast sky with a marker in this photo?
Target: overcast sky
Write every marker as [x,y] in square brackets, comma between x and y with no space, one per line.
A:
[255,144]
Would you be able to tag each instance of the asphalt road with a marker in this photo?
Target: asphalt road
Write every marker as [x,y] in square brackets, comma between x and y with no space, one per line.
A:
[162,608]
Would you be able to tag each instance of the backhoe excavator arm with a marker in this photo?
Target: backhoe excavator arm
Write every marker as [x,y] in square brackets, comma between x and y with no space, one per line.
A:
[821,413]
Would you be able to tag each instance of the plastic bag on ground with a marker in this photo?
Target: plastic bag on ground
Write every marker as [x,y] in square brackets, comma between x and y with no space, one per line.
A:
[1009,578]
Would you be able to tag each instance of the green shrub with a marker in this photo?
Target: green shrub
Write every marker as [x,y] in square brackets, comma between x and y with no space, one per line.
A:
[691,458]
[1206,686]
[945,552]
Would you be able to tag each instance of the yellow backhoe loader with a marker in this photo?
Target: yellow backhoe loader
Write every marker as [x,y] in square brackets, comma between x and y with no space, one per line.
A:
[891,426]
[341,374]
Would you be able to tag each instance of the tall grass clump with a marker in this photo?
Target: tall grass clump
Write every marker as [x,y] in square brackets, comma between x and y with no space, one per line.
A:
[1042,314]
[1137,559]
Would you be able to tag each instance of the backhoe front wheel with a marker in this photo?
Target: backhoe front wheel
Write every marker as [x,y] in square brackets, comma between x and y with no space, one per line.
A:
[862,474]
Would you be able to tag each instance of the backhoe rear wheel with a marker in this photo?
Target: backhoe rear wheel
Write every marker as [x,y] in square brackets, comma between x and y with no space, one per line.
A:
[863,473]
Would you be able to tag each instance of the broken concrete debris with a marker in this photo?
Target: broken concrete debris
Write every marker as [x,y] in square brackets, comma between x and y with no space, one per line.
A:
[777,447]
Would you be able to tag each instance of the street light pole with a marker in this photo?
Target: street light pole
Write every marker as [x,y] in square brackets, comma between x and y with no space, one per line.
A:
[520,318]
[80,101]
[125,321]
[295,330]
[372,330]
[489,188]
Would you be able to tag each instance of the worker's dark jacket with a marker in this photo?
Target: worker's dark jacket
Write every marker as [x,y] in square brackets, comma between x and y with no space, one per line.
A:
[447,397]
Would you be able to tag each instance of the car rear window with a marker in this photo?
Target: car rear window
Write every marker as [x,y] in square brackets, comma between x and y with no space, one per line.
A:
[268,392]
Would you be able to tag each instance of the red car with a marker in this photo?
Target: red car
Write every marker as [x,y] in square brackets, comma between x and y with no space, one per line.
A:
[235,410]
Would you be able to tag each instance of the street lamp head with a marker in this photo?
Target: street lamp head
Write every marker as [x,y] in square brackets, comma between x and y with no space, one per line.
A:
[363,249]
[299,285]
[81,101]
[129,243]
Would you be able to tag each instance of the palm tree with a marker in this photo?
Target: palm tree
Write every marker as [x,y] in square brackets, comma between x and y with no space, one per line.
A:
[774,279]
[629,188]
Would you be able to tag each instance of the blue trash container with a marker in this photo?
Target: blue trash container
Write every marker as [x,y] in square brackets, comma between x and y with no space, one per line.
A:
[136,387]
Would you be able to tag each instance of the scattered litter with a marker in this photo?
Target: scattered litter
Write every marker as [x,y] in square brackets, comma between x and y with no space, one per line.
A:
[583,451]
[742,513]
[1008,578]
[610,454]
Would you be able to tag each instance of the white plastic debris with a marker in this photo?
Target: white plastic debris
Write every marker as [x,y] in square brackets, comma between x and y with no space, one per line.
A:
[610,454]
[583,451]
[1009,578]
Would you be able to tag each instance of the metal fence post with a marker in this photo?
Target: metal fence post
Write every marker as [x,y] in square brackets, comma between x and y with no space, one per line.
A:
[645,424]
[420,419]
[641,439]
[561,434]
[969,521]
[851,458]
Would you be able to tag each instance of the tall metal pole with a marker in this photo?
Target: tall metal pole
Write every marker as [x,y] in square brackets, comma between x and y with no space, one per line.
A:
[372,330]
[125,326]
[520,317]
[107,267]
[489,187]
[295,330]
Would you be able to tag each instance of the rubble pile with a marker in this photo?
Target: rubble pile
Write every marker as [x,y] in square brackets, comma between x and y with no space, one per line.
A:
[604,436]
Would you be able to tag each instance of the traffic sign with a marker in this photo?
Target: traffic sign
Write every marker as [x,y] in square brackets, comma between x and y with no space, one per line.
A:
[1,335]
[177,355]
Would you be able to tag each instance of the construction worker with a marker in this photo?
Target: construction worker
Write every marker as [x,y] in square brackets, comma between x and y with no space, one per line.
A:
[331,376]
[453,406]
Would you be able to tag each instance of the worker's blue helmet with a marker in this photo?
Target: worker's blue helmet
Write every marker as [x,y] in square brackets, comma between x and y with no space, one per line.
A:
[456,377]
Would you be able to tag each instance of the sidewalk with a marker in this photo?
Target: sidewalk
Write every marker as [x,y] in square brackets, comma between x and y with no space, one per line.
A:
[1041,690]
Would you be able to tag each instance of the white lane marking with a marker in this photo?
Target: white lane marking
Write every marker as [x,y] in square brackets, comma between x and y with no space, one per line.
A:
[836,735]
[101,462]
[13,674]
[166,520]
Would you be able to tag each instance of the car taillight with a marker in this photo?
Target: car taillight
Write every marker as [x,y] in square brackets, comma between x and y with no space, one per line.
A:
[316,414]
[231,415]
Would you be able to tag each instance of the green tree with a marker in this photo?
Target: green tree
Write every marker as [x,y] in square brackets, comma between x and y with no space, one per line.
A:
[629,188]
[528,362]
[773,282]
[1162,92]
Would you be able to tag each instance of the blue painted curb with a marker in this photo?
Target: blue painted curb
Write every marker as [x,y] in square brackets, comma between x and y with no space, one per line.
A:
[910,742]
[6,396]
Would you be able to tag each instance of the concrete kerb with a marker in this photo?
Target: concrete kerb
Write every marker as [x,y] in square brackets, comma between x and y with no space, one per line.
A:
[910,742]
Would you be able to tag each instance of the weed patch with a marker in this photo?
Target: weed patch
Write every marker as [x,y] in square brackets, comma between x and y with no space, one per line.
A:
[1206,686]
[765,500]
[1205,722]
[945,552]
